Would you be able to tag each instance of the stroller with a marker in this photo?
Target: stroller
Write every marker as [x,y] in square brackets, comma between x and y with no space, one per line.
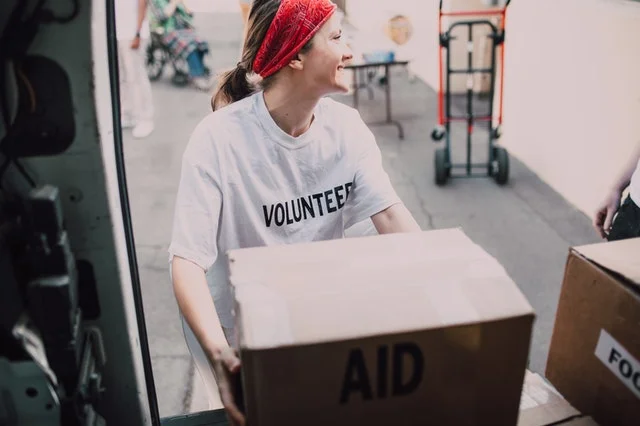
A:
[158,54]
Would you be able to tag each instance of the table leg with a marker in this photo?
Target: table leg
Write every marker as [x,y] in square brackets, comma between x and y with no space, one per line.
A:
[387,91]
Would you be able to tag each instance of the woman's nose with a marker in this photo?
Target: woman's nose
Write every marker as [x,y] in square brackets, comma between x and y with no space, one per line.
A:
[348,55]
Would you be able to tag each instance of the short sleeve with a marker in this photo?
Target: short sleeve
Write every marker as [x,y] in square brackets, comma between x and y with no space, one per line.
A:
[372,191]
[198,206]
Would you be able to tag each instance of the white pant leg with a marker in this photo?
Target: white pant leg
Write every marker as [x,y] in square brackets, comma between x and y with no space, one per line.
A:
[137,85]
[126,109]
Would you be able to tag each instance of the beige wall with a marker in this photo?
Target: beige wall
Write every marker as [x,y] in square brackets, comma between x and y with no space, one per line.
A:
[572,101]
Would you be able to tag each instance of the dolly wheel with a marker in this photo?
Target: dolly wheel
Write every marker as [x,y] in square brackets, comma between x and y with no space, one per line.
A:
[442,170]
[502,159]
[437,134]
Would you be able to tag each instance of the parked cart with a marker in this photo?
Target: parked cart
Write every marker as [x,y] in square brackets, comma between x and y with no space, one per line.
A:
[497,165]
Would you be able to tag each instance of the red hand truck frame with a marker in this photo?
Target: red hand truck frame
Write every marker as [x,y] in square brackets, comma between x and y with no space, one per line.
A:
[498,162]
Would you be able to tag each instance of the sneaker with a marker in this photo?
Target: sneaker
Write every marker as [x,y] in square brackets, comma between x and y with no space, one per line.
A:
[127,122]
[202,83]
[142,130]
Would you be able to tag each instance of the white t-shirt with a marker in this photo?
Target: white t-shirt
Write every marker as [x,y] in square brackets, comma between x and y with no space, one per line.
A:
[127,20]
[246,183]
[634,186]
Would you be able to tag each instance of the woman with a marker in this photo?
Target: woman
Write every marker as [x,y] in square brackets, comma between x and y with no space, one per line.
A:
[174,20]
[282,143]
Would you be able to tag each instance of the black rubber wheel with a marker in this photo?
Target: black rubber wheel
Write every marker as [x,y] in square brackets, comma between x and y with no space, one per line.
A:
[437,134]
[502,160]
[180,79]
[155,62]
[442,170]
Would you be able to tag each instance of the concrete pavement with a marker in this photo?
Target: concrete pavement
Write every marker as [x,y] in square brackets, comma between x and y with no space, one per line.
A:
[526,225]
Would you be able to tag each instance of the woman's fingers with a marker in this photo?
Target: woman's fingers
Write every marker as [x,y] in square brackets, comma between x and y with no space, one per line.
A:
[598,222]
[608,221]
[233,412]
[228,365]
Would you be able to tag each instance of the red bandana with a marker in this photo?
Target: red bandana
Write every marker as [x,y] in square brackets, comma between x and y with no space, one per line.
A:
[294,25]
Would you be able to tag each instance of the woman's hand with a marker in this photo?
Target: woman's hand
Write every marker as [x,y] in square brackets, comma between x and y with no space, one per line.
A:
[226,366]
[135,43]
[603,218]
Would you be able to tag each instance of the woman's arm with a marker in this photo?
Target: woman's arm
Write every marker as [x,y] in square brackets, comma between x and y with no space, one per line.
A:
[396,218]
[198,309]
[142,12]
[196,304]
[624,178]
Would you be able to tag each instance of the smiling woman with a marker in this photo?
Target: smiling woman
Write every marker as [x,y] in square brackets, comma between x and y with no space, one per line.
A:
[277,162]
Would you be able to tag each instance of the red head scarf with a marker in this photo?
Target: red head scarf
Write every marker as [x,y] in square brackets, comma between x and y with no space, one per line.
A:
[294,25]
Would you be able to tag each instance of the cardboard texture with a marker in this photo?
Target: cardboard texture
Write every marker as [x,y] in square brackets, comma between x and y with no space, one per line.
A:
[418,329]
[540,404]
[595,347]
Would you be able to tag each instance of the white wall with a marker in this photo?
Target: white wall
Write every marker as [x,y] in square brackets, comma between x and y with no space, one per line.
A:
[572,91]
[572,82]
[422,49]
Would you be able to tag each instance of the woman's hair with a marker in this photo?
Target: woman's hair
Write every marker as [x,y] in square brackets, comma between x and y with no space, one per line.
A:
[241,82]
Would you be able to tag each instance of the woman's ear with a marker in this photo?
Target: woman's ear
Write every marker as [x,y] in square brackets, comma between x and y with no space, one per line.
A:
[297,63]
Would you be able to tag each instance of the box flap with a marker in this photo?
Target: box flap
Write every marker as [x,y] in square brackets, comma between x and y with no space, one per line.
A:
[352,288]
[621,256]
[541,404]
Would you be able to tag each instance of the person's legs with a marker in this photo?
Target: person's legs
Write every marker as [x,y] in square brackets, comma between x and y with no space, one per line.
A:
[626,224]
[196,70]
[124,71]
[196,67]
[141,94]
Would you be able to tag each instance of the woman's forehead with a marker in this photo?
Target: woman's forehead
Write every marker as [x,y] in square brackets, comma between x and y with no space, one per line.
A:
[332,25]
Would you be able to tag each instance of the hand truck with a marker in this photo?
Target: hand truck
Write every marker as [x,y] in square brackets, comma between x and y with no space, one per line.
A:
[498,160]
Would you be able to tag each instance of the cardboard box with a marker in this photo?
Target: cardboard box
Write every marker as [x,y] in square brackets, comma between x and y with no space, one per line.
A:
[412,329]
[595,347]
[540,404]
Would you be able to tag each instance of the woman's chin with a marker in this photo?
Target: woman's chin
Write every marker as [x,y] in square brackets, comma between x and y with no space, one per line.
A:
[342,87]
